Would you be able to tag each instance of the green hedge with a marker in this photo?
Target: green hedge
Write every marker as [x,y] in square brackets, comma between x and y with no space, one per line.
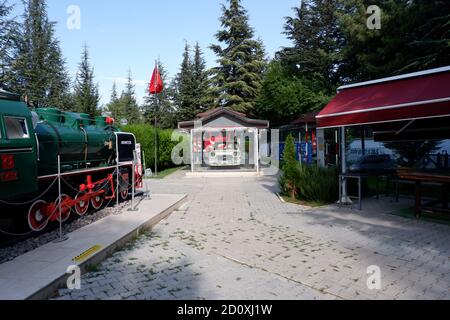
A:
[145,135]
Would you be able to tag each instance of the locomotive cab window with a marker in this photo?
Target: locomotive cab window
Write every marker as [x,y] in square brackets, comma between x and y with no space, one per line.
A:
[16,128]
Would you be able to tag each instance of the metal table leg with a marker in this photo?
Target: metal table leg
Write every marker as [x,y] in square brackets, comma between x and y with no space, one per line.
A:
[397,190]
[360,192]
[377,187]
[445,195]
[418,203]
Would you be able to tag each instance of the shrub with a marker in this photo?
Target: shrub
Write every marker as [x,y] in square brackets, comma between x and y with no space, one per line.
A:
[318,184]
[307,183]
[290,169]
[145,135]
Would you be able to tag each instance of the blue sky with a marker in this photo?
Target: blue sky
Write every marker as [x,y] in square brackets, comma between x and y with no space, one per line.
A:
[131,34]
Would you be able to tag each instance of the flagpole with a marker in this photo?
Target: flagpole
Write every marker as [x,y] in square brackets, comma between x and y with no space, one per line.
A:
[156,122]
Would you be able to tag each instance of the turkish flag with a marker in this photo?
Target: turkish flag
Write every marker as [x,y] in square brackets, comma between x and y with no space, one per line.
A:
[156,84]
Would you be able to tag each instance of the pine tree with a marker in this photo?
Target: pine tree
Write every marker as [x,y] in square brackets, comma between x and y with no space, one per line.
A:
[128,103]
[184,89]
[86,91]
[36,67]
[237,80]
[114,105]
[8,38]
[317,42]
[411,152]
[58,85]
[202,100]
[163,109]
[190,86]
[288,181]
[33,51]
[431,46]
[414,36]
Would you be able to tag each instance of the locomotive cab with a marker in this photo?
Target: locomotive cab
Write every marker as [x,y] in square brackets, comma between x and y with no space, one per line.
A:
[18,166]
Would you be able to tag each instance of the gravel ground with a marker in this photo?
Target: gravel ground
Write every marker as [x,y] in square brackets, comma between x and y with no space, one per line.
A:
[74,223]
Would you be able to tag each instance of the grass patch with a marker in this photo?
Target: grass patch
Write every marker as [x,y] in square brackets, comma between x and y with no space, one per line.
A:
[369,188]
[165,173]
[409,213]
[312,204]
[93,268]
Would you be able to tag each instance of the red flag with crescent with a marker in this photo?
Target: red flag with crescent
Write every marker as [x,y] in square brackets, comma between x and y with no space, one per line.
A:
[156,84]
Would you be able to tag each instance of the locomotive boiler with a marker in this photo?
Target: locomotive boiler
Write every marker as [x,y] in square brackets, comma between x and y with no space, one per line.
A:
[92,154]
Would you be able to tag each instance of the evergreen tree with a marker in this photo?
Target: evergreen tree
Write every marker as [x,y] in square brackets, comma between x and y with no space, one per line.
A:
[67,101]
[431,46]
[291,172]
[86,91]
[411,152]
[237,79]
[8,39]
[202,100]
[114,105]
[414,36]
[58,85]
[332,45]
[184,89]
[304,77]
[190,86]
[38,70]
[317,42]
[114,95]
[128,103]
[163,109]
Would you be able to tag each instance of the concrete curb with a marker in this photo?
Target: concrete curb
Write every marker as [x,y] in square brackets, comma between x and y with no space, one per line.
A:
[48,291]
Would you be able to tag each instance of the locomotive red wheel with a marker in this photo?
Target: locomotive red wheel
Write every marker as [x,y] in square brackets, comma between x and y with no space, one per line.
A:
[81,207]
[125,190]
[37,218]
[97,201]
[65,210]
[124,194]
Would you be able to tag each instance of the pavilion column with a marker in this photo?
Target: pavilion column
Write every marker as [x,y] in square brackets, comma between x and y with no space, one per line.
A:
[256,137]
[192,151]
[345,198]
[321,148]
[363,140]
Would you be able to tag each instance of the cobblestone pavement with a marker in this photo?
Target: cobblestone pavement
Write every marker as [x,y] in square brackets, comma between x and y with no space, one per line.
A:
[236,240]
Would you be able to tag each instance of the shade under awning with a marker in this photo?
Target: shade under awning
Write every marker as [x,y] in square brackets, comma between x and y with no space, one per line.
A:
[416,96]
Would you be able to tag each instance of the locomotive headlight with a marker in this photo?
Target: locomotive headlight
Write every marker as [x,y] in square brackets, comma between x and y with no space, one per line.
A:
[213,154]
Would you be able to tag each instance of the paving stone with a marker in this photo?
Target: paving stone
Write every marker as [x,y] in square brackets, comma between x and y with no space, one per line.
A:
[236,240]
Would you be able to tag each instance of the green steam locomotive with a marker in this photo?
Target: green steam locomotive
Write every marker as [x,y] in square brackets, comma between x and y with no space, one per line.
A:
[92,157]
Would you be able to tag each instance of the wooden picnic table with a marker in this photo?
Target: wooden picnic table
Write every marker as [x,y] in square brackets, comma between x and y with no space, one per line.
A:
[420,177]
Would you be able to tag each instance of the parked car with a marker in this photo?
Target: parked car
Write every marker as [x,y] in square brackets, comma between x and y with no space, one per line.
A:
[374,163]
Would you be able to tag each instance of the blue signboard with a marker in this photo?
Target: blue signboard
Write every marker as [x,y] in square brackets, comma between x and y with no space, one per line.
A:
[300,152]
[307,153]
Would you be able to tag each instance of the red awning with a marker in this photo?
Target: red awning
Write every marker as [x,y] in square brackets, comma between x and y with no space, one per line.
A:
[415,96]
